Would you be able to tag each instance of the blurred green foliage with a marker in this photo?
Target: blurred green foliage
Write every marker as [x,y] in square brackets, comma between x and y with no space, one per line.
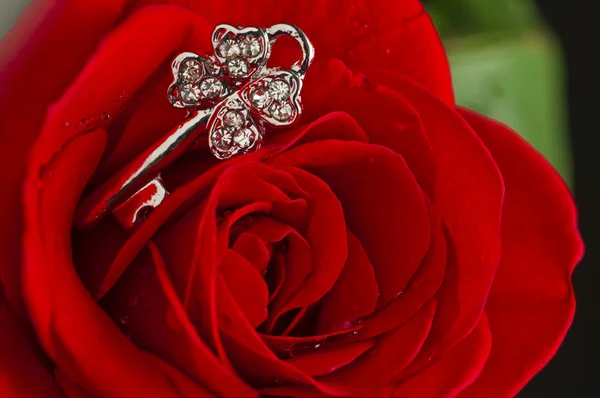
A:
[466,17]
[507,65]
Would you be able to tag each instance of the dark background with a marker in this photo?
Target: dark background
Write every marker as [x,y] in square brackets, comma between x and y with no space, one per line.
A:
[571,372]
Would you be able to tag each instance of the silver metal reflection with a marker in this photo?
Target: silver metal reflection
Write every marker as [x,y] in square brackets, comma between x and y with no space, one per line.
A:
[236,79]
[232,93]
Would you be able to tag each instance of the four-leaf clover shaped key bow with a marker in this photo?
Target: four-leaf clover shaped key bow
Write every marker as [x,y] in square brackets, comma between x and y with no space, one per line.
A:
[232,93]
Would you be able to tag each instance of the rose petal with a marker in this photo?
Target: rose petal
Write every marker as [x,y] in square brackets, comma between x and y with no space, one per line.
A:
[247,287]
[421,288]
[277,276]
[354,294]
[254,250]
[469,193]
[284,346]
[158,217]
[388,119]
[297,262]
[71,389]
[334,125]
[374,367]
[143,306]
[61,39]
[326,234]
[237,185]
[177,244]
[383,205]
[455,370]
[327,361]
[85,103]
[71,328]
[206,369]
[391,353]
[185,386]
[253,359]
[23,374]
[92,260]
[531,303]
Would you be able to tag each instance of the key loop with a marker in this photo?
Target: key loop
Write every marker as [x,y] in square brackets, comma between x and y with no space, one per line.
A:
[270,36]
[308,51]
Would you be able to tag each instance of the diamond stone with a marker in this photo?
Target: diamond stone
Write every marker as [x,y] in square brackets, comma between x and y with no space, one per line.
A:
[237,67]
[244,138]
[281,112]
[192,70]
[234,120]
[211,88]
[229,48]
[222,139]
[260,97]
[279,90]
[250,46]
[189,93]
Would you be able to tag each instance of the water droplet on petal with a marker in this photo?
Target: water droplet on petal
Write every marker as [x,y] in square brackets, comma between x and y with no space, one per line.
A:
[344,325]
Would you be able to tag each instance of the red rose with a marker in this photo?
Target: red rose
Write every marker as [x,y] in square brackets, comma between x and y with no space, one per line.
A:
[390,244]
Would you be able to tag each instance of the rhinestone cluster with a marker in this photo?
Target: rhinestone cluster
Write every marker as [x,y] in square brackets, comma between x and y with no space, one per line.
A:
[233,135]
[238,52]
[194,87]
[273,96]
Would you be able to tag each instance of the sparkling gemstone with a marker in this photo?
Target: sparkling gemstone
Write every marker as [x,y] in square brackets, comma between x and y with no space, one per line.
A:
[192,70]
[211,88]
[238,67]
[189,93]
[244,138]
[260,97]
[250,46]
[281,111]
[229,48]
[279,90]
[233,120]
[222,139]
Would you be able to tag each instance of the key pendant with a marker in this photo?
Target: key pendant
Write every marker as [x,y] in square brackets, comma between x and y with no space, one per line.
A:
[232,93]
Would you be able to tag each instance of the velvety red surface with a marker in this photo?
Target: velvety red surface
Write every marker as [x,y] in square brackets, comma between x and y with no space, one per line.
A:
[391,244]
